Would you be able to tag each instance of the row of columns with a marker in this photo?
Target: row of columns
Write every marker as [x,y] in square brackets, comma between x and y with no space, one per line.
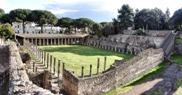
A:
[55,41]
[97,68]
[133,51]
[46,59]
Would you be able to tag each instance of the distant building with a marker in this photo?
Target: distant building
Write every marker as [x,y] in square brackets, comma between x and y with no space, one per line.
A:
[33,28]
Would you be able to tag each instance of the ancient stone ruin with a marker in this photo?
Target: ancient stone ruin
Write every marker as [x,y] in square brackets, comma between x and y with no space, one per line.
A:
[115,76]
[15,80]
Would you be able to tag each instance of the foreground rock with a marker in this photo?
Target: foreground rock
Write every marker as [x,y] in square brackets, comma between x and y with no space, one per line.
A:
[18,81]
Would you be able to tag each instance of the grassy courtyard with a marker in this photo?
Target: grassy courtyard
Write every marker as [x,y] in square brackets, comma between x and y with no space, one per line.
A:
[76,56]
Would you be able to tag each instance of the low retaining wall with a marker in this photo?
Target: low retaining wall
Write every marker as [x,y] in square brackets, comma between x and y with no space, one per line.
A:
[115,76]
[19,82]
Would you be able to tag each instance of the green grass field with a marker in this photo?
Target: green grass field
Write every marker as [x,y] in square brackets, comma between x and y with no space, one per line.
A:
[76,56]
[178,40]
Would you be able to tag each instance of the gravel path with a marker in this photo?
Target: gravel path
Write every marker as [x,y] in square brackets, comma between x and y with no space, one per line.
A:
[165,83]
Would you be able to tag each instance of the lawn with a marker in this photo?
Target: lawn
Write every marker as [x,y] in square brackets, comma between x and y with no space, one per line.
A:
[76,56]
[178,40]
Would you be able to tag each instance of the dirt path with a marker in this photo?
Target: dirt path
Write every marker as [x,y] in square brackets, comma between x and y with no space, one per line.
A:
[139,89]
[162,86]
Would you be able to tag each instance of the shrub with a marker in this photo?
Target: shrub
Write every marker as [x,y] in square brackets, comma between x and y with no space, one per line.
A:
[6,31]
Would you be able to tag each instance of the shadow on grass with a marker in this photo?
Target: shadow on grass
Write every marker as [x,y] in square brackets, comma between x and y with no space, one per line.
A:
[83,50]
[151,75]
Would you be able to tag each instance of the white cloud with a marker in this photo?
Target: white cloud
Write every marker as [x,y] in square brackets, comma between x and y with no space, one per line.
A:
[113,5]
[3,4]
[61,11]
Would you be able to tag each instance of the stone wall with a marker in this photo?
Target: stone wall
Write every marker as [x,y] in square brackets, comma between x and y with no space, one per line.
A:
[19,82]
[178,48]
[126,43]
[154,33]
[120,74]
[4,66]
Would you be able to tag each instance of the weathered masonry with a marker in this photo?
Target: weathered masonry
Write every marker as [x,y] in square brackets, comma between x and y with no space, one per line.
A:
[13,77]
[121,73]
[51,39]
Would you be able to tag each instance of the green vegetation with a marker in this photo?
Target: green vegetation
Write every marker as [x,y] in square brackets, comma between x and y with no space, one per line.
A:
[178,85]
[148,76]
[178,40]
[144,78]
[76,56]
[6,31]
[156,91]
[177,58]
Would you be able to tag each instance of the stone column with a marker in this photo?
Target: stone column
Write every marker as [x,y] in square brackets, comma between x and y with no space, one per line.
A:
[71,40]
[90,70]
[47,41]
[98,65]
[36,41]
[58,41]
[123,50]
[32,40]
[61,41]
[43,42]
[65,41]
[51,40]
[39,42]
[105,63]
[82,73]
[54,67]
[68,41]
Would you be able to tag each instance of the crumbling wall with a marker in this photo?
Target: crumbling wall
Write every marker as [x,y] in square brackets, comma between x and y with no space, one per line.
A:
[120,74]
[4,67]
[132,44]
[154,33]
[18,81]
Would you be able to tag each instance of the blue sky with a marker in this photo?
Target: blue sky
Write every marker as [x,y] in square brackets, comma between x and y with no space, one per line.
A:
[97,10]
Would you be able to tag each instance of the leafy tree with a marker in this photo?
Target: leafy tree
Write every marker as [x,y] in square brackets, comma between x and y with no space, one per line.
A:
[6,19]
[65,22]
[96,28]
[176,19]
[1,14]
[6,31]
[167,14]
[125,17]
[20,15]
[108,29]
[153,19]
[42,17]
[83,23]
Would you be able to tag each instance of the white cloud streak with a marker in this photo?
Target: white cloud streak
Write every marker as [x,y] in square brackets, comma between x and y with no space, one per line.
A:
[3,4]
[113,5]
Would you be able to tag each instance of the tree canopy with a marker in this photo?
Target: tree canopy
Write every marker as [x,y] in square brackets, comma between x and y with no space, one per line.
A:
[65,22]
[6,31]
[20,15]
[176,19]
[153,19]
[125,17]
[1,14]
[42,17]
